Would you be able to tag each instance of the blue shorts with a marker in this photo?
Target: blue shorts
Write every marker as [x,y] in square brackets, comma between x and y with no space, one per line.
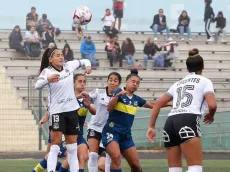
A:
[125,141]
[63,149]
[81,140]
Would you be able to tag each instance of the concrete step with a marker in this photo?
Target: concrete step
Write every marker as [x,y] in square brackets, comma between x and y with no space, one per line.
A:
[19,134]
[19,127]
[14,122]
[4,116]
[15,112]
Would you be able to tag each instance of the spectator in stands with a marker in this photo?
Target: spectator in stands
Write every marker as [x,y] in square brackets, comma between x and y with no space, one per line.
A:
[88,50]
[160,24]
[67,52]
[128,51]
[118,6]
[183,26]
[43,24]
[15,40]
[113,52]
[220,26]
[208,18]
[48,37]
[150,50]
[78,29]
[109,24]
[31,37]
[31,18]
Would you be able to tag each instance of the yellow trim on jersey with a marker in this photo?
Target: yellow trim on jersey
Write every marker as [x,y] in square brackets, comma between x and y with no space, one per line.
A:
[126,108]
[82,111]
[39,168]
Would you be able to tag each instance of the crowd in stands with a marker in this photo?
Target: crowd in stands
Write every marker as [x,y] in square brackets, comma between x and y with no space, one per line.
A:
[41,34]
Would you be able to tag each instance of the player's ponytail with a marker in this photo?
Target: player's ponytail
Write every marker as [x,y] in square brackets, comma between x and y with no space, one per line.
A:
[133,72]
[194,62]
[45,58]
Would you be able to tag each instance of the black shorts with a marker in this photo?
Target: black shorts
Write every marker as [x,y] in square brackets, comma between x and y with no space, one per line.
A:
[66,122]
[180,128]
[93,134]
[118,13]
[102,152]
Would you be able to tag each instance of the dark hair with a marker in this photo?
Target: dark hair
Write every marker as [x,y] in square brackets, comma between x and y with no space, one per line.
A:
[208,2]
[107,9]
[33,8]
[184,11]
[161,10]
[45,58]
[66,46]
[15,28]
[194,62]
[133,72]
[77,75]
[44,16]
[129,40]
[116,74]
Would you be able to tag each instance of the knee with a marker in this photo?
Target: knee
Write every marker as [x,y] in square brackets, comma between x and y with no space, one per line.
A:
[155,26]
[83,157]
[101,166]
[71,147]
[116,159]
[93,158]
[145,57]
[56,141]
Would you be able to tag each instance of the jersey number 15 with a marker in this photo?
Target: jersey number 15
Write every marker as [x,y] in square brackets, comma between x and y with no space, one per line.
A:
[181,94]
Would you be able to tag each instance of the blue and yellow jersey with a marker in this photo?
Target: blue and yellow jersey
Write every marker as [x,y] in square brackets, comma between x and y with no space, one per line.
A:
[82,112]
[122,117]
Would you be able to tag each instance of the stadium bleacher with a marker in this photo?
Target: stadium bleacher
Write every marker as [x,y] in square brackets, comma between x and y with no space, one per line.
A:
[16,71]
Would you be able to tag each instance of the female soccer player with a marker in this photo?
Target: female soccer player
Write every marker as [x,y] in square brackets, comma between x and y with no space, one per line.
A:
[101,99]
[58,76]
[182,128]
[85,106]
[116,135]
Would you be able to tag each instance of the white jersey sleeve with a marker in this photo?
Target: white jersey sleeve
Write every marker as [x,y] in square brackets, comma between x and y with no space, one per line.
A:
[42,79]
[170,91]
[73,65]
[93,94]
[208,87]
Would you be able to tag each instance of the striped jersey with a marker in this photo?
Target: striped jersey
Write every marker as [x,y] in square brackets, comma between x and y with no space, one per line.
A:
[122,117]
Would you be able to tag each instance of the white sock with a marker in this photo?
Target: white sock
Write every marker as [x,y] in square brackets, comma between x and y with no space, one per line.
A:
[92,162]
[72,157]
[175,169]
[195,168]
[52,158]
[107,163]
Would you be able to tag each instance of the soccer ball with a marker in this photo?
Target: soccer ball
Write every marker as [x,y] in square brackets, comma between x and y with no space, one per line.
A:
[82,15]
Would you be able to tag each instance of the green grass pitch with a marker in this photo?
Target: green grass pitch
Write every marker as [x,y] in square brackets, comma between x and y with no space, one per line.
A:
[147,165]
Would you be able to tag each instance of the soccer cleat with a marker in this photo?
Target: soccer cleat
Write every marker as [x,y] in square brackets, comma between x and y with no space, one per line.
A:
[210,39]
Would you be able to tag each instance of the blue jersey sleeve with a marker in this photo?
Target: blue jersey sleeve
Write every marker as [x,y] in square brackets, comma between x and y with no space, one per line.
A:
[91,101]
[141,101]
[118,90]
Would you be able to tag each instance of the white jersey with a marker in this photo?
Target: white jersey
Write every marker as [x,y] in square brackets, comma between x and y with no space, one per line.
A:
[61,94]
[189,93]
[101,100]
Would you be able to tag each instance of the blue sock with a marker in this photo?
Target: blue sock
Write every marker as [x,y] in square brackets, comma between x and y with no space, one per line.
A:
[81,170]
[42,165]
[118,170]
[58,166]
[63,170]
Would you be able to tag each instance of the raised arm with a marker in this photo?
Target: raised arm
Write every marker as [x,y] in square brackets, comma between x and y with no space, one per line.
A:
[113,102]
[42,80]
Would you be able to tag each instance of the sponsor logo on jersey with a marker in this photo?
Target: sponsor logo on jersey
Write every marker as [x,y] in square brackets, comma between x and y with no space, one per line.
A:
[101,91]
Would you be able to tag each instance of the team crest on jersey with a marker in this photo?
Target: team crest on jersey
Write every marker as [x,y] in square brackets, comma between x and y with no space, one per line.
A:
[135,103]
[111,124]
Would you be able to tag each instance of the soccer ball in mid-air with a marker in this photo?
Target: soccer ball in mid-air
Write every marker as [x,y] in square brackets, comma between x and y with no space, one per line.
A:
[82,15]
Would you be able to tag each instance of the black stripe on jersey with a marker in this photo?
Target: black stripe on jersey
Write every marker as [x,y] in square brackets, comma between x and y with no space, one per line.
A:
[79,63]
[169,95]
[202,105]
[50,93]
